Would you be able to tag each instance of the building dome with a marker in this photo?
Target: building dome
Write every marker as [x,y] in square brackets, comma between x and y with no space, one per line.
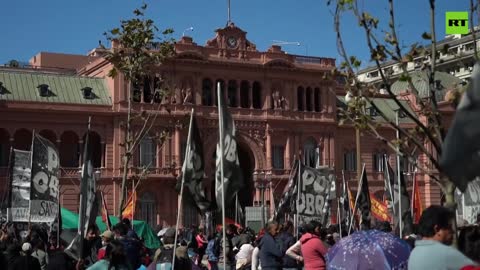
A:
[443,82]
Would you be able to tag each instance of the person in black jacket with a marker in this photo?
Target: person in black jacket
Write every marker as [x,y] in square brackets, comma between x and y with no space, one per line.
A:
[271,251]
[287,239]
[25,260]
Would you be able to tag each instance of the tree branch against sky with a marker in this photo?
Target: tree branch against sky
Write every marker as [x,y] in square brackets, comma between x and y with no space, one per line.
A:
[138,52]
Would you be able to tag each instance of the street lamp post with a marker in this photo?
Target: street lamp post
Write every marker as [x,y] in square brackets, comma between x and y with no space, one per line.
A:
[261,183]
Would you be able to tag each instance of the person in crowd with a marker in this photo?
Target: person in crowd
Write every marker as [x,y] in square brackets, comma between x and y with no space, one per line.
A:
[107,237]
[228,255]
[12,253]
[288,240]
[270,250]
[433,251]
[57,258]
[312,247]
[92,244]
[130,233]
[39,253]
[469,244]
[115,259]
[164,255]
[256,250]
[131,246]
[213,251]
[25,260]
[201,245]
[244,255]
[384,226]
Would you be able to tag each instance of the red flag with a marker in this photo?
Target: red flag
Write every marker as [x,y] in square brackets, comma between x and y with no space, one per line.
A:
[105,215]
[417,201]
[379,209]
[129,209]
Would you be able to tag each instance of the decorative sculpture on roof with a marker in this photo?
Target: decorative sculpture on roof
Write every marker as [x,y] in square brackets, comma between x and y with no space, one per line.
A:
[187,96]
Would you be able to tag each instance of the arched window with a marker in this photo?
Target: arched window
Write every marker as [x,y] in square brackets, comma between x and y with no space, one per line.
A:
[148,152]
[207,92]
[232,93]
[257,95]
[69,151]
[350,160]
[22,140]
[309,99]
[95,145]
[317,100]
[311,153]
[379,161]
[244,94]
[300,95]
[147,208]
[4,148]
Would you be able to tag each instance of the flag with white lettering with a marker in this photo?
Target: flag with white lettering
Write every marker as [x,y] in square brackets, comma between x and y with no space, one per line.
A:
[288,198]
[233,177]
[45,185]
[193,169]
[20,179]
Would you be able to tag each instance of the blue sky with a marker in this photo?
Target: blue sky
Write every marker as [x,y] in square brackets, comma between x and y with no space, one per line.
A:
[67,26]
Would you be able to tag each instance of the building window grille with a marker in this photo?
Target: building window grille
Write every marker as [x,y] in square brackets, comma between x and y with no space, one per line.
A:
[277,157]
[350,161]
[147,152]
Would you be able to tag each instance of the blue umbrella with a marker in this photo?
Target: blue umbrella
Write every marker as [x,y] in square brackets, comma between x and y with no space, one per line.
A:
[369,250]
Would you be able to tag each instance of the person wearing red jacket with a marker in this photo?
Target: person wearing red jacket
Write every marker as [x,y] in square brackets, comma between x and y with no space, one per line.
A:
[313,249]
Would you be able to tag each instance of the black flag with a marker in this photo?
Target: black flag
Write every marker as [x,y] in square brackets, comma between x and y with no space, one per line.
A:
[88,202]
[407,222]
[460,158]
[193,169]
[363,201]
[233,177]
[389,181]
[288,198]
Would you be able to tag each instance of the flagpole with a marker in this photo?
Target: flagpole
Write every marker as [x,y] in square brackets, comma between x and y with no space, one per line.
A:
[390,191]
[133,201]
[398,179]
[187,157]
[59,220]
[298,192]
[9,190]
[236,207]
[356,198]
[31,166]
[339,217]
[344,187]
[412,204]
[222,180]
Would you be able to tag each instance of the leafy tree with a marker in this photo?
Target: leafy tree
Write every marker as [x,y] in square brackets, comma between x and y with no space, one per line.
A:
[138,50]
[382,40]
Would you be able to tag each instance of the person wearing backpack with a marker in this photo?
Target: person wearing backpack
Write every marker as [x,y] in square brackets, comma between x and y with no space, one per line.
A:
[213,252]
[164,255]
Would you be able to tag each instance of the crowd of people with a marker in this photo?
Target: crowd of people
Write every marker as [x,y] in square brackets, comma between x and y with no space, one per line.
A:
[275,247]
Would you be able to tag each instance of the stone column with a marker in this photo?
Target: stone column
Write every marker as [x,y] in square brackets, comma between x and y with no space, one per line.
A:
[237,92]
[177,146]
[297,146]
[304,99]
[295,98]
[268,144]
[158,151]
[288,154]
[214,94]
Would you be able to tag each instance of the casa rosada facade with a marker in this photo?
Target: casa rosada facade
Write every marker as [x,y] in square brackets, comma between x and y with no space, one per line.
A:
[282,105]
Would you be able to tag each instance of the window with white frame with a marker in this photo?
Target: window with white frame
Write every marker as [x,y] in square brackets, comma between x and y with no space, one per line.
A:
[277,157]
[350,160]
[148,152]
[311,153]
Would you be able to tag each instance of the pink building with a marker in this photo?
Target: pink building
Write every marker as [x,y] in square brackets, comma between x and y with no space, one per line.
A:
[281,103]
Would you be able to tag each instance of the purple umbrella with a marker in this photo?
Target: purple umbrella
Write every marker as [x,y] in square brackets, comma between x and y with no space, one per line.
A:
[369,250]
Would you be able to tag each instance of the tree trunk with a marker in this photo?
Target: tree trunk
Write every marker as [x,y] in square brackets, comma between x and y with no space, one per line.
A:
[126,158]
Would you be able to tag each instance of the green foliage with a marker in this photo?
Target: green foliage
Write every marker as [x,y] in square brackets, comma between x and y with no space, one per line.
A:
[139,48]
[426,36]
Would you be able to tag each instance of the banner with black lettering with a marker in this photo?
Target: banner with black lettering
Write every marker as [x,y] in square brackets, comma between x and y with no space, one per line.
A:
[20,179]
[44,189]
[232,174]
[316,190]
[471,201]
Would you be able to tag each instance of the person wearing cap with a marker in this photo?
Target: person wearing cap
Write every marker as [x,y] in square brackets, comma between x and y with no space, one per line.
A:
[25,261]
[107,237]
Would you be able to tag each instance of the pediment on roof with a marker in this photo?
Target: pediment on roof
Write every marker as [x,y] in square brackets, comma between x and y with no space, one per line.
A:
[232,38]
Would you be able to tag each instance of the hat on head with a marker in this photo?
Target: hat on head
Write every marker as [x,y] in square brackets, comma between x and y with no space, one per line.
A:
[26,247]
[107,234]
